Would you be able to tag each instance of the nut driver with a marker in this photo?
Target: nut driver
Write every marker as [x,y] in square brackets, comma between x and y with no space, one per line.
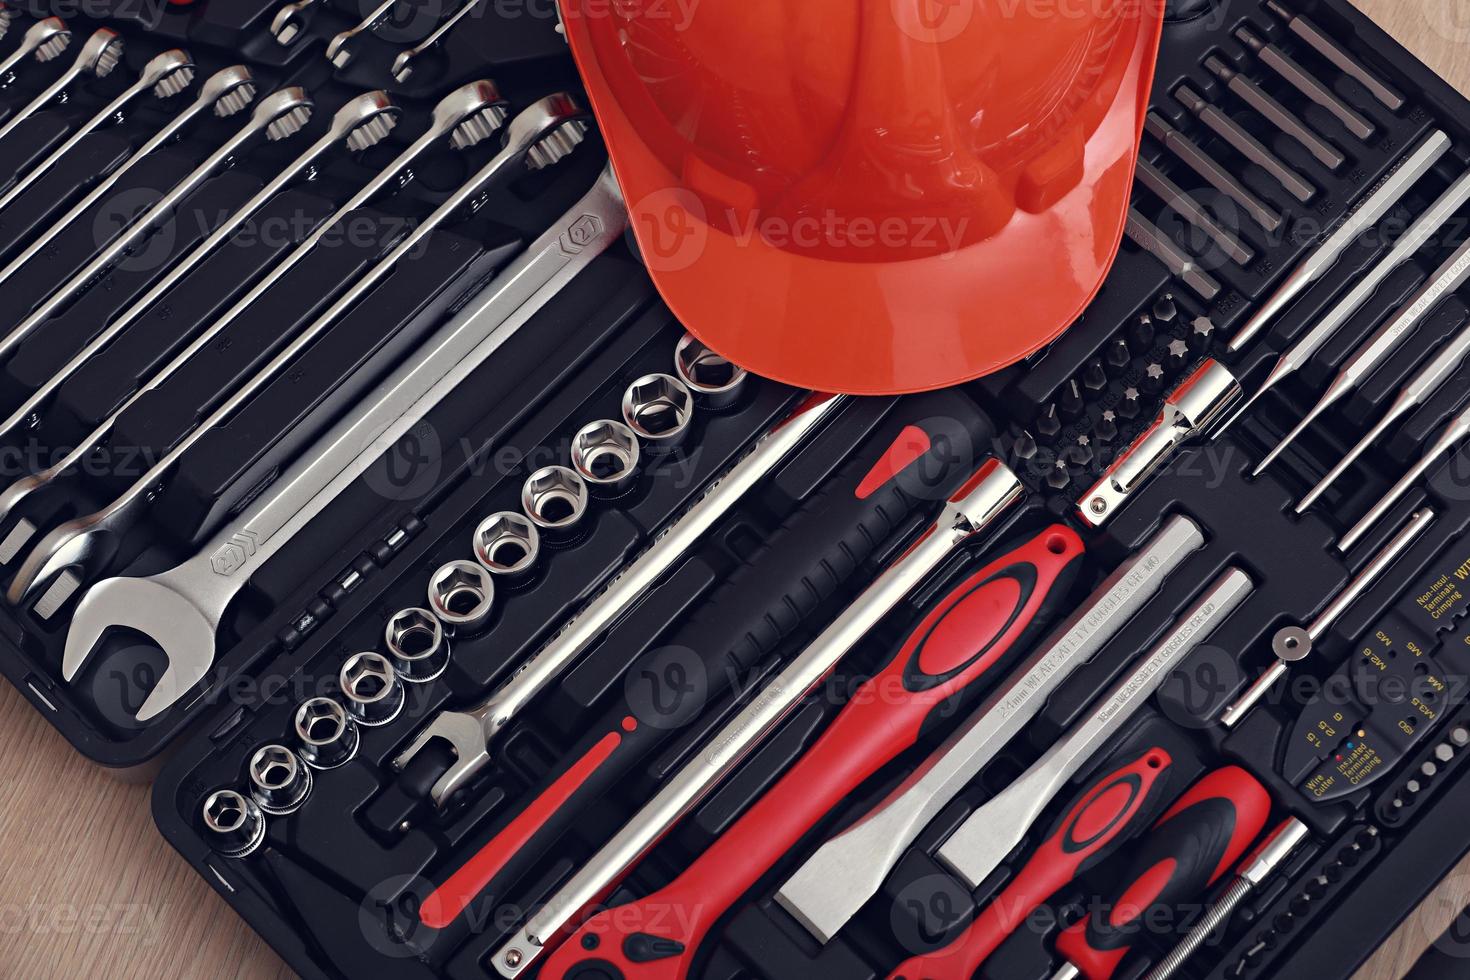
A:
[165,77]
[957,644]
[98,57]
[1452,435]
[1295,643]
[472,732]
[180,610]
[1277,114]
[980,845]
[1112,810]
[463,118]
[405,64]
[224,93]
[46,39]
[1181,203]
[1381,346]
[360,124]
[1212,171]
[1242,142]
[970,511]
[1272,853]
[75,552]
[278,116]
[1147,236]
[1306,347]
[1419,390]
[1306,83]
[1309,32]
[849,869]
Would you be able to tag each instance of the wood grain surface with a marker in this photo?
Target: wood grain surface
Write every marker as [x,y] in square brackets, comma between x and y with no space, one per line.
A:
[88,889]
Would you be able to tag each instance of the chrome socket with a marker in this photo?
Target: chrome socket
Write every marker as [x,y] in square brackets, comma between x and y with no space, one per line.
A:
[555,499]
[507,545]
[370,686]
[605,455]
[658,408]
[715,381]
[327,735]
[279,781]
[462,595]
[416,645]
[234,822]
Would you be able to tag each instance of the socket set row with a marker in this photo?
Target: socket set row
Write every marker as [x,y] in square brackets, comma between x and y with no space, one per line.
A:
[490,624]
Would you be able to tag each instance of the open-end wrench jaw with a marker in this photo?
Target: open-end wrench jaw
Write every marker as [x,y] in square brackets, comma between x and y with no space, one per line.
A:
[465,732]
[74,553]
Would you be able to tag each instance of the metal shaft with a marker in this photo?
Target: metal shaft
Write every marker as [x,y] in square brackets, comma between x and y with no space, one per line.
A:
[994,490]
[1457,430]
[1277,114]
[981,843]
[1188,208]
[1378,201]
[1306,83]
[1297,185]
[1148,237]
[1328,48]
[1210,169]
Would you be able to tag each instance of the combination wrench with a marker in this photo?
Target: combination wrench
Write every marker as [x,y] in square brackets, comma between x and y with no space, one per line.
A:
[98,57]
[403,64]
[46,39]
[165,76]
[225,93]
[181,609]
[279,116]
[342,49]
[74,553]
[462,118]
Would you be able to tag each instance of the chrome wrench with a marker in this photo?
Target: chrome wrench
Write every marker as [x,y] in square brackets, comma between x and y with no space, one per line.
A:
[166,76]
[836,881]
[403,64]
[342,49]
[75,552]
[278,116]
[98,57]
[989,493]
[464,117]
[981,843]
[181,609]
[473,731]
[225,93]
[46,39]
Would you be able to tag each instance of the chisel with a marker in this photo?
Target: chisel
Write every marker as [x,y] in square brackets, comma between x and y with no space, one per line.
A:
[991,491]
[830,888]
[964,638]
[981,843]
[1201,837]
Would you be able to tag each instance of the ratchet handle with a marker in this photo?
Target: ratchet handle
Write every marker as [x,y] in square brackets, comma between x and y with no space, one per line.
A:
[987,618]
[1199,839]
[813,555]
[1113,809]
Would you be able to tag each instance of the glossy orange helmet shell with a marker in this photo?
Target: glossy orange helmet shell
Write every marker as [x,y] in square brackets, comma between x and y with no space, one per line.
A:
[872,196]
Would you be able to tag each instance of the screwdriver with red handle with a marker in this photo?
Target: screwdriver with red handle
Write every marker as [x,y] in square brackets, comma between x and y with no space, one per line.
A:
[1115,807]
[965,640]
[1201,837]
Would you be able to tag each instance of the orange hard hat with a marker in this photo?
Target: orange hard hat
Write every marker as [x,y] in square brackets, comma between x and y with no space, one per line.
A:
[872,196]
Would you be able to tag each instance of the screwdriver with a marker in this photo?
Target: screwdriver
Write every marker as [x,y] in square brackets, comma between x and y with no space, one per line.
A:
[1257,868]
[1457,429]
[1114,808]
[1300,353]
[1201,837]
[1378,202]
[962,641]
[1415,393]
[1381,346]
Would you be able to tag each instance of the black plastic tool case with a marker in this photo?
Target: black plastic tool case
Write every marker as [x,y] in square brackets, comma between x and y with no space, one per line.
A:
[332,888]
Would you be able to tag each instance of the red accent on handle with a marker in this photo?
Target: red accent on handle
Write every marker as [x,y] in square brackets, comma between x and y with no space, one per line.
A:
[448,902]
[885,717]
[912,443]
[1105,817]
[1197,841]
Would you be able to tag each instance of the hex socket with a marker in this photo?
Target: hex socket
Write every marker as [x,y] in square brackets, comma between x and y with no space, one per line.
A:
[605,454]
[461,597]
[279,781]
[658,407]
[507,544]
[416,644]
[326,734]
[234,822]
[370,686]
[715,381]
[555,499]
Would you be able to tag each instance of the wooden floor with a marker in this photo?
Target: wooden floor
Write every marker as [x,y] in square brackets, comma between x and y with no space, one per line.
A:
[89,890]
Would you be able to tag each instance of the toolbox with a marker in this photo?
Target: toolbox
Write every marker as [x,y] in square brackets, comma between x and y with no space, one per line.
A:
[306,674]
